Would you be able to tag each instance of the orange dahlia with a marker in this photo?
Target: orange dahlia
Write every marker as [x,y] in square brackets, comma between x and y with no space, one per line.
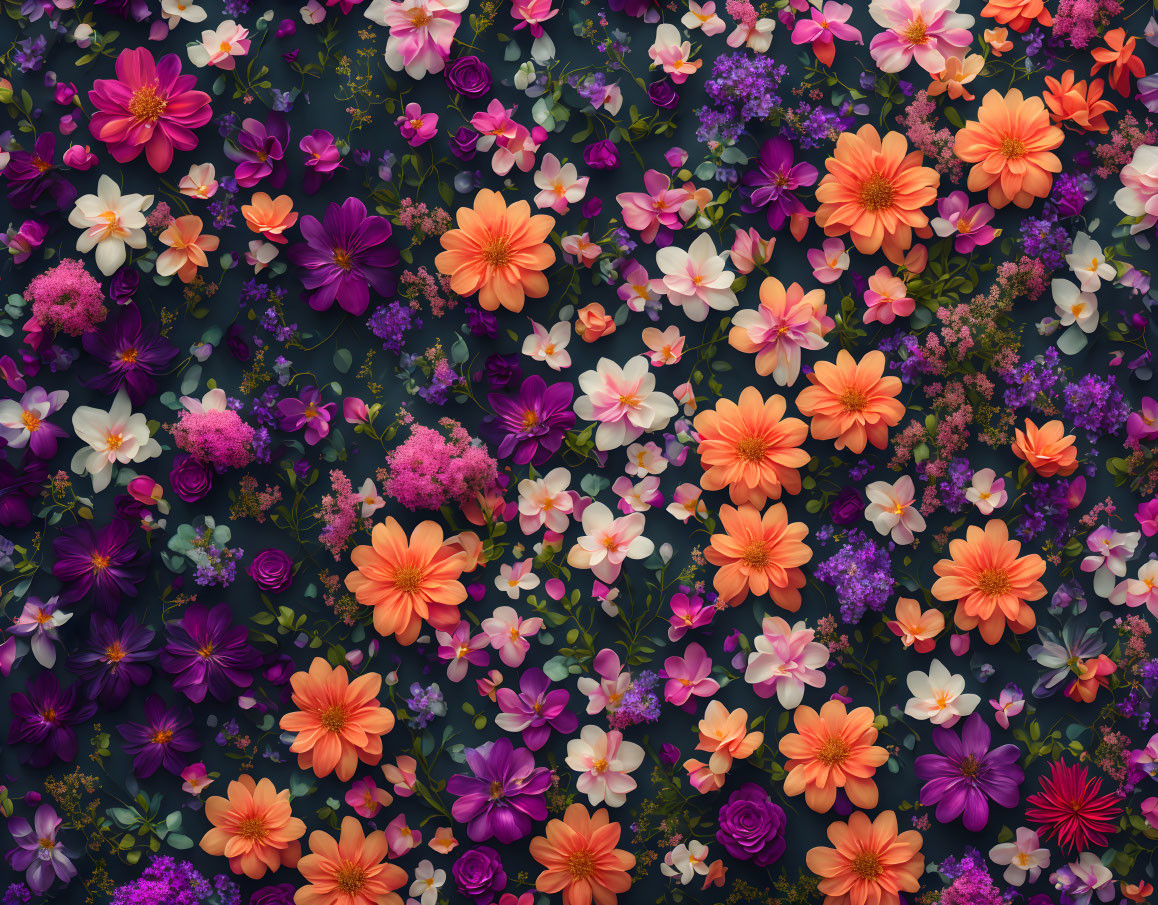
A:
[871,863]
[1018,14]
[1048,449]
[253,827]
[1072,102]
[498,252]
[833,750]
[750,448]
[1011,145]
[338,722]
[852,402]
[760,554]
[581,859]
[351,870]
[874,191]
[990,582]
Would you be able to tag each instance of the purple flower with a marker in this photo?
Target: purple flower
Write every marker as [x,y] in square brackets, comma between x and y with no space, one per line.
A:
[33,174]
[345,255]
[752,826]
[114,659]
[601,155]
[40,621]
[43,716]
[502,370]
[322,159]
[966,776]
[282,894]
[469,76]
[307,411]
[99,565]
[463,142]
[161,739]
[190,479]
[259,152]
[847,507]
[124,284]
[272,570]
[479,873]
[663,94]
[529,426]
[535,709]
[25,423]
[505,794]
[770,186]
[38,852]
[19,484]
[207,653]
[123,352]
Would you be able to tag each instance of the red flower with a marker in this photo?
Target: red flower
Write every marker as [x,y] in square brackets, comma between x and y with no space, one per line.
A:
[1070,807]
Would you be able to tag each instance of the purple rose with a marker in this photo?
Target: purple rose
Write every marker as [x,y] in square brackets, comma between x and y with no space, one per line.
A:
[479,873]
[272,570]
[191,480]
[752,826]
[601,155]
[280,671]
[663,94]
[469,76]
[482,323]
[236,344]
[462,143]
[282,894]
[848,507]
[123,285]
[592,207]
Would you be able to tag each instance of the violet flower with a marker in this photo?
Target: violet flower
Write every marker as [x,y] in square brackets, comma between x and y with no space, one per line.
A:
[529,426]
[39,621]
[33,174]
[38,852]
[124,352]
[535,709]
[43,716]
[208,654]
[259,152]
[506,793]
[161,740]
[101,565]
[322,159]
[770,186]
[114,659]
[309,412]
[25,423]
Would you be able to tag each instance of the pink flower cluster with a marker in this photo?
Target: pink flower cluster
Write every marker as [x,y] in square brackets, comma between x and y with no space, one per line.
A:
[429,470]
[218,438]
[67,299]
[339,513]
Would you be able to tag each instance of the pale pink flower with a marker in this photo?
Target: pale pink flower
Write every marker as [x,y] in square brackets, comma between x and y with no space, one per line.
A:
[508,632]
[1138,196]
[638,289]
[829,261]
[220,47]
[1025,856]
[686,861]
[261,254]
[785,660]
[513,580]
[603,760]
[1140,591]
[638,497]
[402,774]
[370,499]
[685,395]
[703,17]
[749,250]
[400,838]
[607,541]
[421,32]
[695,279]
[1088,263]
[987,492]
[689,675]
[887,298]
[607,692]
[659,205]
[928,31]
[667,346]
[624,402]
[686,502]
[786,321]
[545,502]
[939,696]
[200,182]
[581,247]
[644,459]
[755,36]
[1009,703]
[891,509]
[549,346]
[673,54]
[559,184]
[517,151]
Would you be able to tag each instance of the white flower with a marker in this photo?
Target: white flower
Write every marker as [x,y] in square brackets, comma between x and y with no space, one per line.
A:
[427,882]
[891,509]
[525,75]
[607,541]
[508,632]
[696,279]
[512,580]
[1088,263]
[110,221]
[177,11]
[1024,857]
[1074,306]
[938,696]
[645,459]
[685,861]
[113,436]
[604,759]
[785,660]
[986,493]
[624,402]
[549,347]
[371,502]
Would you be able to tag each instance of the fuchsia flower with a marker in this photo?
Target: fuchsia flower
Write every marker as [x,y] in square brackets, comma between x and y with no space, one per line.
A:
[532,14]
[308,412]
[461,650]
[366,798]
[689,675]
[417,127]
[969,224]
[535,709]
[659,205]
[25,423]
[887,298]
[1142,425]
[823,27]
[688,613]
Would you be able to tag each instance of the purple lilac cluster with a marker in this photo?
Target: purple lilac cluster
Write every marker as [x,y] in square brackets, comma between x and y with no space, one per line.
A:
[1045,508]
[1046,239]
[425,704]
[971,883]
[391,324]
[815,125]
[1096,405]
[860,572]
[641,703]
[1034,382]
[742,88]
[167,881]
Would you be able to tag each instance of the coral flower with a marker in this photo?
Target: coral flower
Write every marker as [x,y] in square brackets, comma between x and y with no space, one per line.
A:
[1011,144]
[1072,102]
[351,870]
[407,581]
[990,582]
[253,827]
[852,402]
[1048,449]
[871,862]
[787,321]
[750,448]
[187,248]
[498,252]
[149,106]
[833,750]
[874,190]
[761,554]
[581,859]
[338,722]
[917,629]
[1071,807]
[1018,14]
[1118,54]
[725,734]
[270,217]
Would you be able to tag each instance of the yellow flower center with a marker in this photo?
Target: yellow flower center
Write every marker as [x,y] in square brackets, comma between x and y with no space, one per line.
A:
[581,865]
[835,750]
[916,32]
[99,562]
[993,582]
[334,718]
[1012,148]
[877,193]
[342,258]
[600,766]
[752,449]
[161,736]
[146,105]
[867,865]
[497,252]
[853,400]
[756,554]
[408,579]
[114,653]
[31,421]
[419,18]
[253,829]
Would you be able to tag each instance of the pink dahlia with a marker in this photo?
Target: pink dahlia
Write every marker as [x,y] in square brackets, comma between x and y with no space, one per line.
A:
[148,105]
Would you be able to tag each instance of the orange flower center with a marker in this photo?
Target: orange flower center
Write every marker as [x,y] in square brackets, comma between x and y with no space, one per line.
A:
[496,790]
[31,422]
[877,193]
[334,718]
[915,33]
[581,864]
[970,767]
[993,582]
[419,18]
[408,579]
[114,653]
[600,766]
[867,865]
[1012,148]
[752,449]
[114,441]
[146,105]
[46,843]
[350,877]
[530,419]
[205,651]
[342,258]
[756,554]
[497,252]
[161,736]
[129,355]
[853,400]
[834,751]
[253,829]
[99,562]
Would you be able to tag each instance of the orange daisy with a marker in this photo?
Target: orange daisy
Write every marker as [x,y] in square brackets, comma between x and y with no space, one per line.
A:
[498,252]
[874,190]
[407,581]
[1072,102]
[833,750]
[1018,14]
[871,863]
[760,554]
[253,827]
[1048,449]
[1011,144]
[338,722]
[351,870]
[581,859]
[750,448]
[852,402]
[990,582]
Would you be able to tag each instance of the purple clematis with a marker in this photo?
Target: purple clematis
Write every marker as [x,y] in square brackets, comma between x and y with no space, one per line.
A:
[25,423]
[309,412]
[161,740]
[38,852]
[124,352]
[100,564]
[770,186]
[323,159]
[207,653]
[529,426]
[967,775]
[506,793]
[259,152]
[345,255]
[535,709]
[33,174]
[114,659]
[43,716]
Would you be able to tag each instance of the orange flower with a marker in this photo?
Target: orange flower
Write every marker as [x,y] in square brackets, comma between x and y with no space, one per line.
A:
[874,190]
[594,323]
[759,554]
[1074,103]
[990,582]
[1120,53]
[1011,143]
[1091,675]
[916,629]
[852,402]
[581,859]
[498,252]
[750,448]
[957,74]
[338,722]
[270,216]
[253,827]
[1048,449]
[871,862]
[1018,14]
[186,251]
[725,734]
[407,581]
[998,40]
[351,870]
[833,750]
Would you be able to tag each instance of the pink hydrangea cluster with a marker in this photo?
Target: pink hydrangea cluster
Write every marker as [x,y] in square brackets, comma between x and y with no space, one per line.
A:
[1078,21]
[218,438]
[433,289]
[430,470]
[339,514]
[421,220]
[67,299]
[920,124]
